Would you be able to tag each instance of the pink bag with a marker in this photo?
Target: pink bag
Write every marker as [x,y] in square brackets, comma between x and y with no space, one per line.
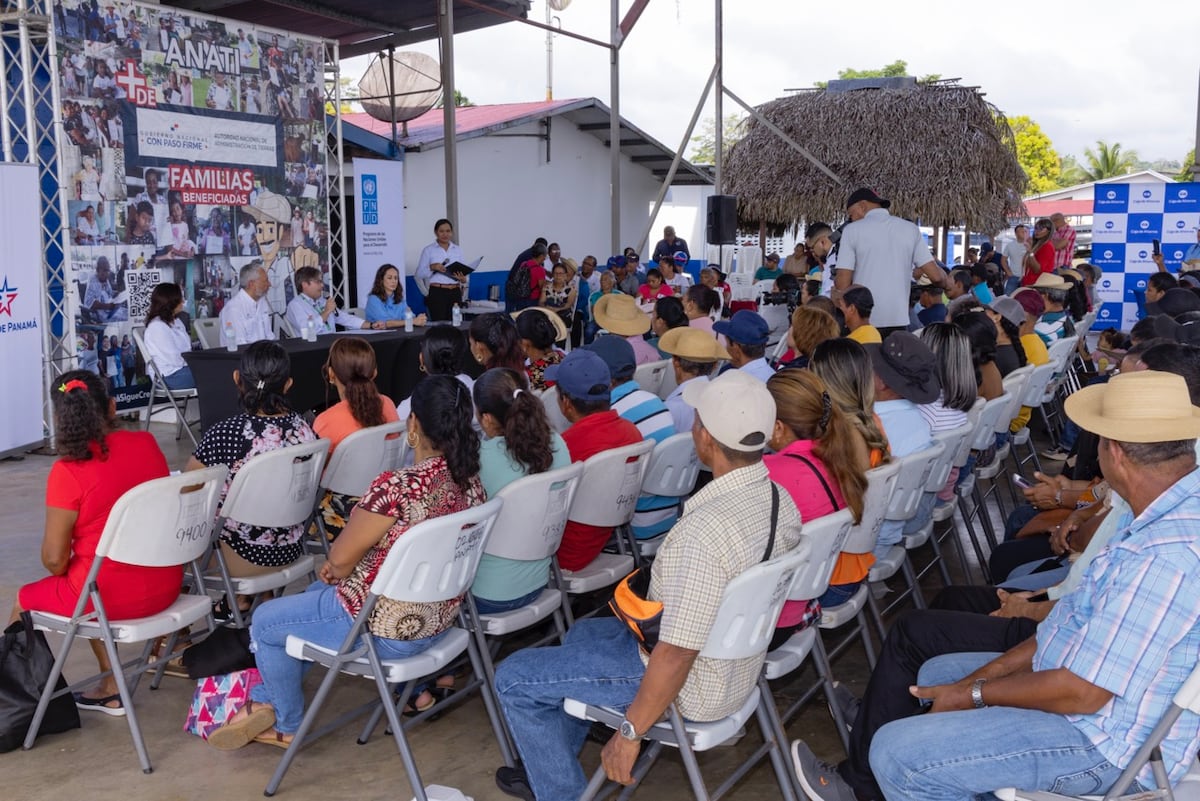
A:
[218,698]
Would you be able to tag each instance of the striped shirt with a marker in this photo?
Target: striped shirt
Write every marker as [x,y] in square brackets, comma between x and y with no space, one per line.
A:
[1132,627]
[655,513]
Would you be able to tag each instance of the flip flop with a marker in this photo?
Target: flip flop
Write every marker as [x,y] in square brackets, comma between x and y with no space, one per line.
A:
[273,737]
[240,733]
[411,710]
[101,704]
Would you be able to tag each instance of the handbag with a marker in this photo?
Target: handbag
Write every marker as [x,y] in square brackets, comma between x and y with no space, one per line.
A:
[226,650]
[217,699]
[25,663]
[631,604]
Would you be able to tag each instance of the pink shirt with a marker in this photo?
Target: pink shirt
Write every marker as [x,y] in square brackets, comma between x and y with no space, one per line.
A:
[1062,258]
[643,351]
[706,324]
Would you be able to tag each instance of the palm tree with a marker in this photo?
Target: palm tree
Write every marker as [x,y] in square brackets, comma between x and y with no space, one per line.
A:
[1106,161]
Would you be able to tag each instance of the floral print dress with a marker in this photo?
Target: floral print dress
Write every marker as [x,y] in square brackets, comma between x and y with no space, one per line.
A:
[233,442]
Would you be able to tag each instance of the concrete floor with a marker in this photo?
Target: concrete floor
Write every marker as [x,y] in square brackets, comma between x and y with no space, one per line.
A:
[98,762]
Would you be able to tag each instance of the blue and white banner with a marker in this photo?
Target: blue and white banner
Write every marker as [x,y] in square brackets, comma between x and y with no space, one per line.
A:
[1126,220]
[20,309]
[378,220]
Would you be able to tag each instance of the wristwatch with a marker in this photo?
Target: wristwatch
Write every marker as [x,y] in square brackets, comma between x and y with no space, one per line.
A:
[628,731]
[977,693]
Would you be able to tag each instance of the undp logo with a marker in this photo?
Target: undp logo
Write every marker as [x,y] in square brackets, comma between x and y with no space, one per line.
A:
[1108,224]
[1108,254]
[1146,193]
[1144,224]
[1111,195]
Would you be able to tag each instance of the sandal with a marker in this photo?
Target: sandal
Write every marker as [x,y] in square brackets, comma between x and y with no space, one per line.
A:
[240,732]
[223,613]
[102,704]
[273,737]
[412,709]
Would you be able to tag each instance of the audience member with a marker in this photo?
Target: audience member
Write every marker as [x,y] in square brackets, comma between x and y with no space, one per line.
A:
[1055,323]
[625,274]
[674,272]
[1157,286]
[668,313]
[933,310]
[712,277]
[845,369]
[856,304]
[770,269]
[694,355]
[982,334]
[495,342]
[247,315]
[1040,257]
[701,304]
[559,294]
[810,327]
[539,328]
[747,333]
[1008,315]
[620,316]
[167,337]
[956,375]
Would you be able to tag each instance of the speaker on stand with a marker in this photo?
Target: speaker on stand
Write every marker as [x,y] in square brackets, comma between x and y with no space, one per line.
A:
[721,225]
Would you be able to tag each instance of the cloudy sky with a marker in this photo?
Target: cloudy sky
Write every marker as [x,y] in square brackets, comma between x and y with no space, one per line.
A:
[1113,71]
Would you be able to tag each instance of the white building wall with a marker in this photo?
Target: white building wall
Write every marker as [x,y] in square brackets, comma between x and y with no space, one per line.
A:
[508,194]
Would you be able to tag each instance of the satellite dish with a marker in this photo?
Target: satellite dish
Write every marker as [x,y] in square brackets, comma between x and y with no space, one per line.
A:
[415,82]
[559,5]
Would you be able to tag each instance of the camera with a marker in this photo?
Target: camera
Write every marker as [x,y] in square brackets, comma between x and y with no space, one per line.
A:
[791,299]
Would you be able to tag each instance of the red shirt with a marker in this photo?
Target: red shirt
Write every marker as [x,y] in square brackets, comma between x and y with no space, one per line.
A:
[537,276]
[90,488]
[1046,256]
[598,432]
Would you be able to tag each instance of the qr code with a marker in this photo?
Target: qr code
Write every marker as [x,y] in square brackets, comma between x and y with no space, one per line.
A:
[139,284]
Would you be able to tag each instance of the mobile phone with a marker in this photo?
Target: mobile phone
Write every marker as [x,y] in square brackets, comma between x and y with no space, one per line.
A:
[1155,247]
[1021,482]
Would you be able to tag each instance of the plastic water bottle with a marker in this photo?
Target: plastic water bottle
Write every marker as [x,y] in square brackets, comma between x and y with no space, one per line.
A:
[408,321]
[230,337]
[456,316]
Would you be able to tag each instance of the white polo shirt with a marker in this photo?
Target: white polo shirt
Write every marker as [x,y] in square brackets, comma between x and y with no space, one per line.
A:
[882,251]
[251,318]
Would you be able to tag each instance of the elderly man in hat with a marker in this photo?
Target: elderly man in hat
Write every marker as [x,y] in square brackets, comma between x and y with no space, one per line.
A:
[272,214]
[886,254]
[1055,323]
[694,356]
[747,334]
[1074,696]
[620,316]
[725,529]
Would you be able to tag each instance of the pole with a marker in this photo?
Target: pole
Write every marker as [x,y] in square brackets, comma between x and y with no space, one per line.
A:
[1196,152]
[449,124]
[775,129]
[719,127]
[549,57]
[614,126]
[391,73]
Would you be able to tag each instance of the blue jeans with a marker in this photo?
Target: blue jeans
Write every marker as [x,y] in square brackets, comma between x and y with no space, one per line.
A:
[597,663]
[960,755]
[486,607]
[319,617]
[180,379]
[838,594]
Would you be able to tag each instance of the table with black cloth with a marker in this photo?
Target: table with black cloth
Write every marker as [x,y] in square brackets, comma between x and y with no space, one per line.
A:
[396,356]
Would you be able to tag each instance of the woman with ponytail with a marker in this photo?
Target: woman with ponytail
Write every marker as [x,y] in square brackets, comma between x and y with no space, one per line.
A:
[845,368]
[351,369]
[97,464]
[821,459]
[495,342]
[266,424]
[444,480]
[519,442]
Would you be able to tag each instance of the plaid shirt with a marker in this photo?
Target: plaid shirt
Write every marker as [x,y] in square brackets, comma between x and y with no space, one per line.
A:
[1131,627]
[723,532]
[1062,258]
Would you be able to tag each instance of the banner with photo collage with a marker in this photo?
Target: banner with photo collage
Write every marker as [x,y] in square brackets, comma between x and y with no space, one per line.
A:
[190,147]
[1126,219]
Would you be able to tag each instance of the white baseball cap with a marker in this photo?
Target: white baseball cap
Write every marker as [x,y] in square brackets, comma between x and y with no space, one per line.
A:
[735,407]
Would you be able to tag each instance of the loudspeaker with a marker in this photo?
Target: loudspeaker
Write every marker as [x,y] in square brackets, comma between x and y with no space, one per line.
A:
[722,220]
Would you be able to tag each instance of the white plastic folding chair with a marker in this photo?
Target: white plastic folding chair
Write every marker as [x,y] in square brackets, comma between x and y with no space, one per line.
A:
[276,489]
[435,561]
[1015,384]
[177,399]
[743,629]
[671,473]
[907,495]
[649,376]
[880,483]
[356,462]
[162,523]
[528,529]
[952,442]
[208,331]
[668,383]
[983,437]
[612,481]
[1187,698]
[549,398]
[1043,374]
[1060,352]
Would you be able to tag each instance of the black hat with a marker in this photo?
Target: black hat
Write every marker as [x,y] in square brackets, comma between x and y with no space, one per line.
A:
[868,195]
[907,366]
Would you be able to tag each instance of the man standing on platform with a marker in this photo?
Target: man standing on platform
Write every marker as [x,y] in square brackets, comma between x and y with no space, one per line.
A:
[247,311]
[669,245]
[1063,240]
[885,254]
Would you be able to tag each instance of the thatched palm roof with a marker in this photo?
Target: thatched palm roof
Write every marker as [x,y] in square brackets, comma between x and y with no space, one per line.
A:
[939,151]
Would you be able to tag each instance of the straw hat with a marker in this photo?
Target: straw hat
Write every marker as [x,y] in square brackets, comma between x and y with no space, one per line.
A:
[692,344]
[1050,281]
[560,328]
[1146,406]
[619,314]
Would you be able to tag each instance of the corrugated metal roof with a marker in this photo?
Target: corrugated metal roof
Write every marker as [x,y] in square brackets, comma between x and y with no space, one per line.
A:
[589,114]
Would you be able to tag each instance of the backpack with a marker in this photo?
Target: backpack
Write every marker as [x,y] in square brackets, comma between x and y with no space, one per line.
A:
[519,285]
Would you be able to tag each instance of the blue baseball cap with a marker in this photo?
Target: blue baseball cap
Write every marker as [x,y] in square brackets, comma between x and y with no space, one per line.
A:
[617,353]
[581,376]
[616,261]
[745,327]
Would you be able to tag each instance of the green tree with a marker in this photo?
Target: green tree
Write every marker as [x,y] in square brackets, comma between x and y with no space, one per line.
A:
[702,145]
[1106,161]
[460,100]
[1035,154]
[1189,163]
[897,69]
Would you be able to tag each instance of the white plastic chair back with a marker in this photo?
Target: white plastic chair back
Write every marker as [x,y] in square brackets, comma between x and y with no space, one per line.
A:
[673,467]
[285,324]
[1060,351]
[1015,384]
[1188,696]
[880,483]
[208,331]
[549,399]
[751,604]
[985,429]
[668,382]
[911,481]
[649,376]
[964,449]
[826,537]
[362,456]
[164,522]
[277,489]
[139,339]
[530,526]
[436,559]
[612,481]
[741,286]
[1035,390]
[953,442]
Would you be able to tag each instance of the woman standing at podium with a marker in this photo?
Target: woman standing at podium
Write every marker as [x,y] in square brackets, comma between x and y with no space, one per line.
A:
[443,289]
